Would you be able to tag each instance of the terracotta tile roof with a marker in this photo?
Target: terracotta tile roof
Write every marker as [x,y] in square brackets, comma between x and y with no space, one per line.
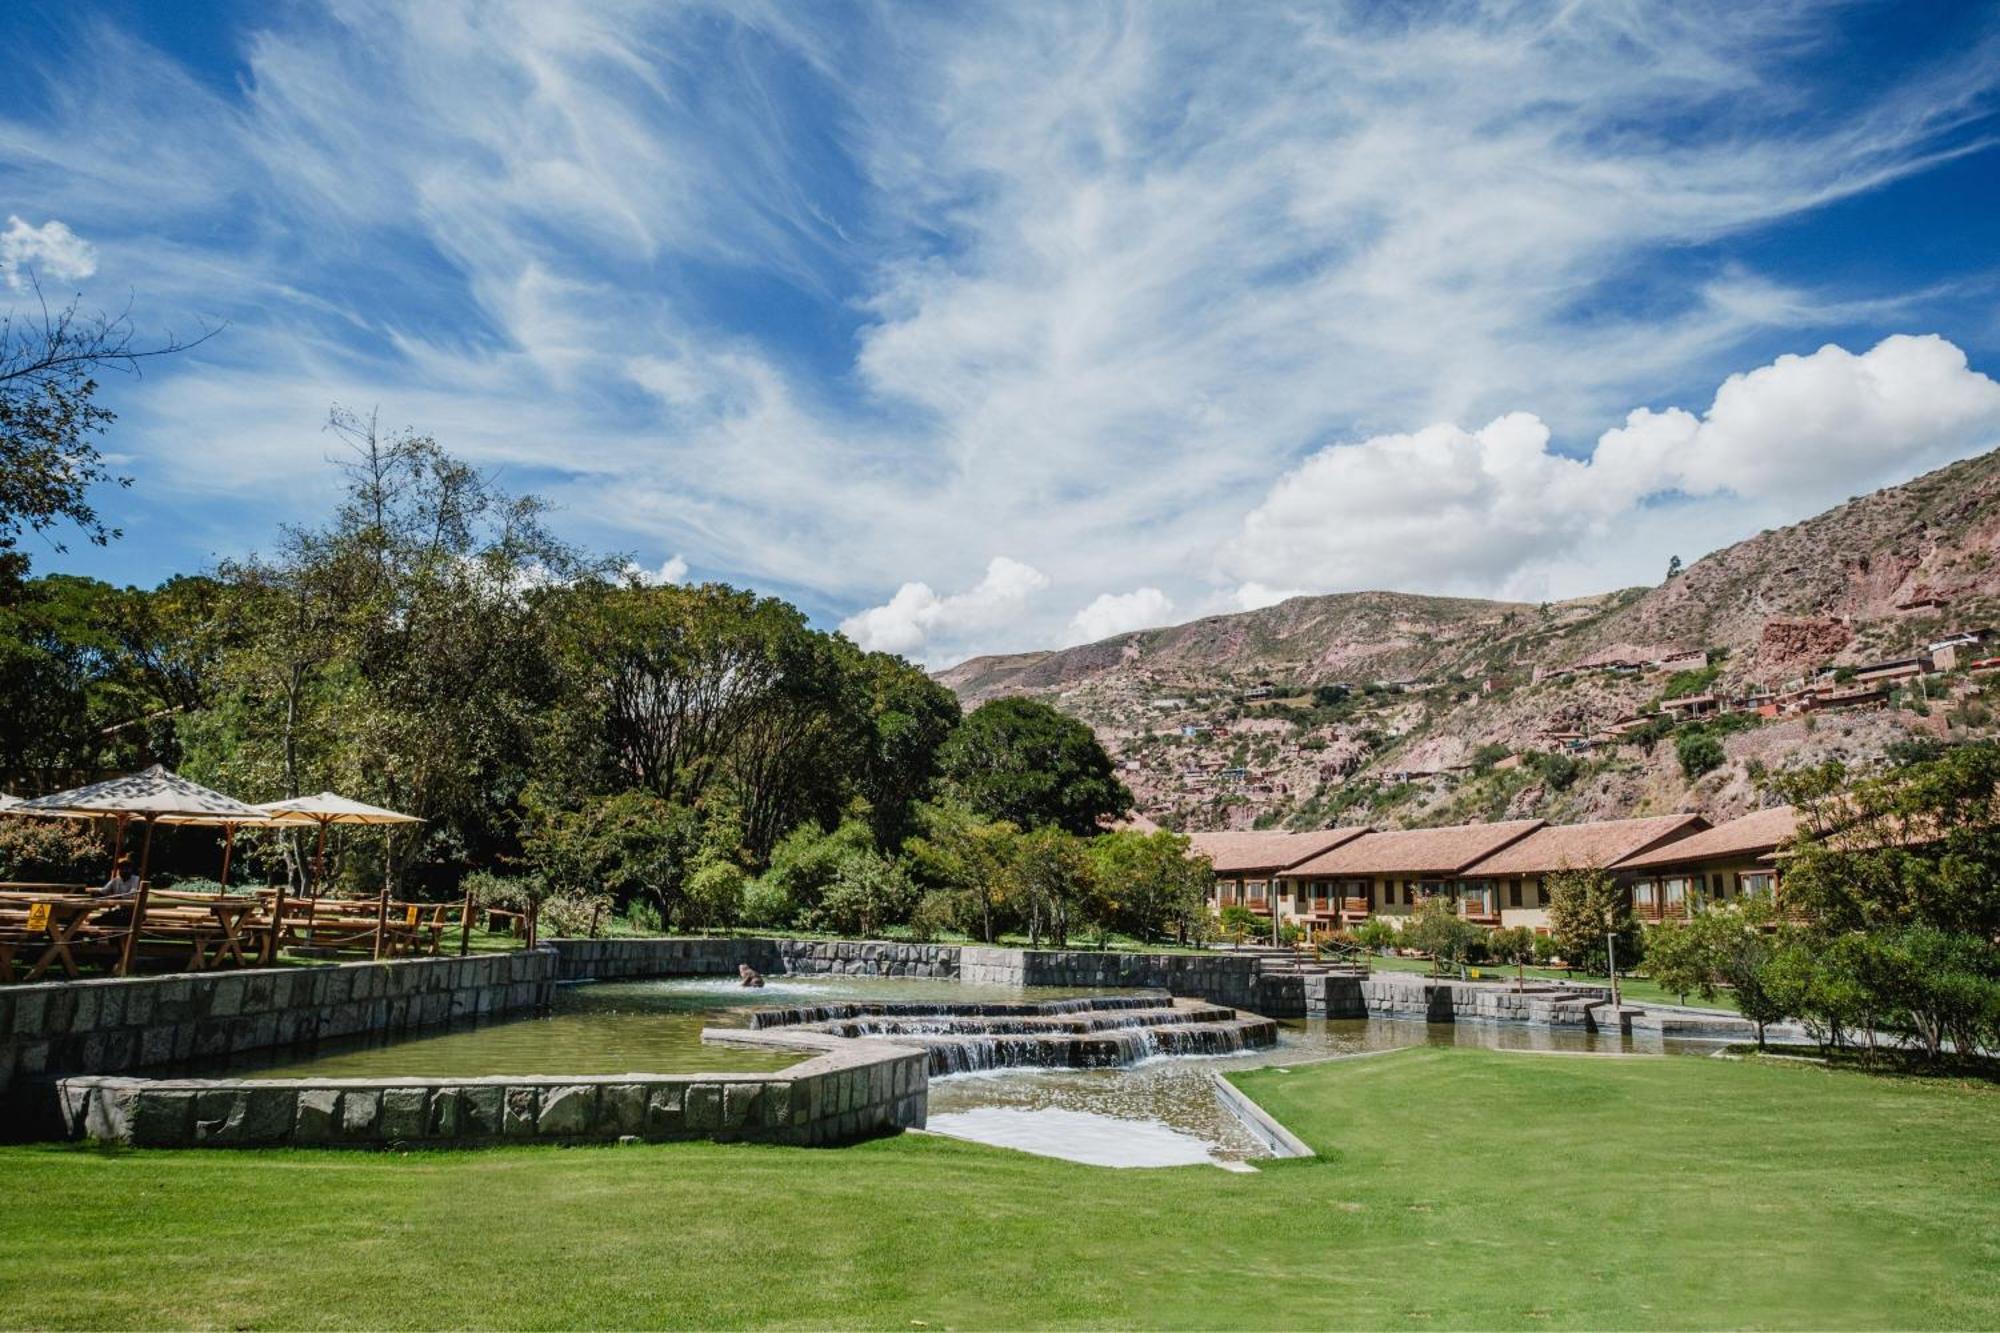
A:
[1427,851]
[1591,846]
[1244,853]
[1752,835]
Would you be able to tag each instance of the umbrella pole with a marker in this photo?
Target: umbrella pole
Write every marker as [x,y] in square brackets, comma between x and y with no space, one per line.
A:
[382,906]
[139,904]
[319,862]
[117,841]
[228,846]
[277,921]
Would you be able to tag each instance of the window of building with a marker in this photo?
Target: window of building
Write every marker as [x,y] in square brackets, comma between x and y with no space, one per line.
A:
[1756,884]
[1254,891]
[1513,893]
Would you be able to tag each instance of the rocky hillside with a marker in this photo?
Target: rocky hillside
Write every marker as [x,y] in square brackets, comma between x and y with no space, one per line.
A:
[1392,708]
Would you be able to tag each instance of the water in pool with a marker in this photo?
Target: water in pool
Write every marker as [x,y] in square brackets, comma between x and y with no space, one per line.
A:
[1161,1112]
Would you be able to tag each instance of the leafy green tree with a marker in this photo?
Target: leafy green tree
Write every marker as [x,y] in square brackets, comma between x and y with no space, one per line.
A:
[1917,845]
[1151,885]
[1512,944]
[909,718]
[867,893]
[1022,761]
[959,852]
[1239,923]
[1585,906]
[1054,880]
[714,897]
[1437,929]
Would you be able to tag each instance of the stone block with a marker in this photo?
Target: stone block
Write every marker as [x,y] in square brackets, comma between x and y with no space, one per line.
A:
[163,1117]
[739,1104]
[522,1105]
[483,1110]
[444,1113]
[31,1007]
[568,1111]
[405,1113]
[360,1113]
[318,1116]
[107,1114]
[703,1107]
[225,995]
[622,1108]
[218,1113]
[665,1116]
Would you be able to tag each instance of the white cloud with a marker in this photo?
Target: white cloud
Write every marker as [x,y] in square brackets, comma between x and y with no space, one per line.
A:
[1255,596]
[919,623]
[1495,510]
[1115,613]
[673,570]
[1072,282]
[51,250]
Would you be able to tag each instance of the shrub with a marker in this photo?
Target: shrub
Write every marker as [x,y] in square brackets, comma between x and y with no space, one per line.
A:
[644,917]
[713,898]
[1546,950]
[867,893]
[1699,753]
[1239,922]
[937,913]
[52,851]
[1438,930]
[767,904]
[1512,944]
[1375,933]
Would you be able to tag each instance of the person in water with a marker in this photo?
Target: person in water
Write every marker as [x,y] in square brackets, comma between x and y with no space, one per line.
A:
[749,975]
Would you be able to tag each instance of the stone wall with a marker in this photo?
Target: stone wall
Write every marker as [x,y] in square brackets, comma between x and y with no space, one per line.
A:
[117,1024]
[1219,978]
[851,1090]
[608,960]
[1444,1000]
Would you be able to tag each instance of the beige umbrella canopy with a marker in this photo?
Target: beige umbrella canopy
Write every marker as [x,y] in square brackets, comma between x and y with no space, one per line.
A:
[329,808]
[152,796]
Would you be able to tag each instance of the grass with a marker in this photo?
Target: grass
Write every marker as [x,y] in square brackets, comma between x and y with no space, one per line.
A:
[1636,990]
[1455,1188]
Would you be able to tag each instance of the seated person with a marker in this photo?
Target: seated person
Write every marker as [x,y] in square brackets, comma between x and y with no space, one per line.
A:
[748,975]
[123,882]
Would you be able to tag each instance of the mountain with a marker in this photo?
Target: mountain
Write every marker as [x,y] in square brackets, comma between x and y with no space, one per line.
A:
[1395,708]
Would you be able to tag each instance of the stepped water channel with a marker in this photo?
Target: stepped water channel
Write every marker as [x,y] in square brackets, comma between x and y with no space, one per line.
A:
[1089,1032]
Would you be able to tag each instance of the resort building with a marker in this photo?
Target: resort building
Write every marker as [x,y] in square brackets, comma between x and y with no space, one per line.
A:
[1719,864]
[1388,874]
[1247,864]
[1516,876]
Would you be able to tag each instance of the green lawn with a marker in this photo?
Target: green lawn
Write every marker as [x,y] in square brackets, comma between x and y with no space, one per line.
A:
[1457,1187]
[1635,990]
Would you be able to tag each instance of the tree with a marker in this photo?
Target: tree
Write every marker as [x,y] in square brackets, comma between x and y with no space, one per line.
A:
[1052,875]
[1699,753]
[1918,845]
[1239,923]
[1437,929]
[868,891]
[1151,885]
[1022,761]
[961,853]
[1673,568]
[1584,907]
[909,718]
[1513,944]
[50,419]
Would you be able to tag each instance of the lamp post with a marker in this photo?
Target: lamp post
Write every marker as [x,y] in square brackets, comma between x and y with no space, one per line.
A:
[1611,957]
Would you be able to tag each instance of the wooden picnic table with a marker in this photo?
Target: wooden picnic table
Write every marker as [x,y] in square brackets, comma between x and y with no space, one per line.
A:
[201,921]
[58,922]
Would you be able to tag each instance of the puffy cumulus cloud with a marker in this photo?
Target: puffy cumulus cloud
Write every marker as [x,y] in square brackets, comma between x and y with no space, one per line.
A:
[673,570]
[918,622]
[1815,428]
[1116,612]
[1496,510]
[51,250]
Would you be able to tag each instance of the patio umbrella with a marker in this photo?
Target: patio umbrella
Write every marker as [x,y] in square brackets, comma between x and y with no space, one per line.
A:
[150,796]
[332,808]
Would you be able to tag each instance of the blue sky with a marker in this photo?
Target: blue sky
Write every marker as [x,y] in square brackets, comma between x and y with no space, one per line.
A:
[979,328]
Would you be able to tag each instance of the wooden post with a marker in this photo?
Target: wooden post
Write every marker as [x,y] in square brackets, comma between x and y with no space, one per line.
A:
[228,846]
[465,926]
[595,911]
[277,920]
[319,861]
[138,903]
[534,920]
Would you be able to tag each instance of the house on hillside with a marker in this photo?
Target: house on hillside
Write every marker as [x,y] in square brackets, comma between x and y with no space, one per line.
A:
[1516,877]
[1719,864]
[1388,874]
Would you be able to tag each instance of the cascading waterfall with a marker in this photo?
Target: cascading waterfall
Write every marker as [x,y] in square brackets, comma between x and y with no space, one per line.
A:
[1083,1033]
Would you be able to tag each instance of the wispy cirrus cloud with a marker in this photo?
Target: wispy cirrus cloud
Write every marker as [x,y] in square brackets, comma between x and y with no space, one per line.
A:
[845,302]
